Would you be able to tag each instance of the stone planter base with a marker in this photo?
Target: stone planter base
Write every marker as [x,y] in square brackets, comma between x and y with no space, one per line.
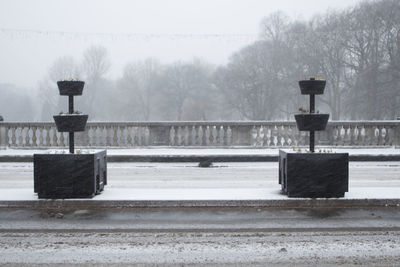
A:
[70,175]
[314,175]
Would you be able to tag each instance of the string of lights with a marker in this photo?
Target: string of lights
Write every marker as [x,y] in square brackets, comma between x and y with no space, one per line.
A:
[32,33]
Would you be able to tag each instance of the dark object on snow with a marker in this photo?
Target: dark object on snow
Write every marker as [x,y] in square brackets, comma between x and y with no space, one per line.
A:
[205,163]
[69,175]
[314,175]
[1,118]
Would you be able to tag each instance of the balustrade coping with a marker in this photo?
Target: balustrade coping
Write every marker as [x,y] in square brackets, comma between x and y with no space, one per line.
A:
[207,123]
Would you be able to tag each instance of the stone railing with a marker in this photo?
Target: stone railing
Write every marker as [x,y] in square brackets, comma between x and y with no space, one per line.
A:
[200,134]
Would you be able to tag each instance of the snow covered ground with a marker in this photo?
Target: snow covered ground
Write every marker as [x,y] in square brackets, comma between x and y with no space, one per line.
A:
[224,181]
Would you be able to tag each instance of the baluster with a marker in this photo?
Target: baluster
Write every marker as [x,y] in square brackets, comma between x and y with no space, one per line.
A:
[193,136]
[253,136]
[334,135]
[114,139]
[213,133]
[268,136]
[90,135]
[289,135]
[281,133]
[109,135]
[374,135]
[19,136]
[129,136]
[34,138]
[221,135]
[27,141]
[172,136]
[351,135]
[207,135]
[277,131]
[347,136]
[284,134]
[200,135]
[139,135]
[390,135]
[356,136]
[146,135]
[362,135]
[385,136]
[55,139]
[340,135]
[124,136]
[48,136]
[135,132]
[41,139]
[133,136]
[60,137]
[11,136]
[368,139]
[229,136]
[261,135]
[186,136]
[179,136]
[275,136]
[99,136]
[381,136]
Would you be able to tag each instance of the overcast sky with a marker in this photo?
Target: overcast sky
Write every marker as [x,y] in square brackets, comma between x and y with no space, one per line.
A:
[132,30]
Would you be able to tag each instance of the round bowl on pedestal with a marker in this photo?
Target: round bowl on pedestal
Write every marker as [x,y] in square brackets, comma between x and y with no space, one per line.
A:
[312,87]
[71,122]
[70,87]
[311,122]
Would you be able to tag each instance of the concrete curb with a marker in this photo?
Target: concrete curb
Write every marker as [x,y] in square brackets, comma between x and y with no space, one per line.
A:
[270,204]
[200,158]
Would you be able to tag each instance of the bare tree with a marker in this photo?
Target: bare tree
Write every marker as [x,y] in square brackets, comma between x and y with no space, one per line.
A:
[63,68]
[138,88]
[95,66]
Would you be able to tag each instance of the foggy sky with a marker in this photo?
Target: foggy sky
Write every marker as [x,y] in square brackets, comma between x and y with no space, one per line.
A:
[26,56]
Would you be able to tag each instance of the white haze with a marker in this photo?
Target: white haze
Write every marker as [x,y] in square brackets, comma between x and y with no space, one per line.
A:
[26,56]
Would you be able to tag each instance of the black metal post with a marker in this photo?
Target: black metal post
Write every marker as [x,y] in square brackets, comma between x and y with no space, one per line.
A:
[312,104]
[312,133]
[312,139]
[71,134]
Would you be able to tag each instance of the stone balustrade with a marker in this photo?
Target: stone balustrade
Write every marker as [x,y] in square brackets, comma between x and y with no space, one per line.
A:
[200,134]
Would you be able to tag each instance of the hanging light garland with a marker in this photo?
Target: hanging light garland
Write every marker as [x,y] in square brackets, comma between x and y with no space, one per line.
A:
[31,33]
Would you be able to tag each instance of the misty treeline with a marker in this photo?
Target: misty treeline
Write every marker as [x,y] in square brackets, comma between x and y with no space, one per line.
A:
[357,50]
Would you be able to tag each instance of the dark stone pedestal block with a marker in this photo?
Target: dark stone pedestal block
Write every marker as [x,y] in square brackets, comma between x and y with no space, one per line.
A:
[70,175]
[313,175]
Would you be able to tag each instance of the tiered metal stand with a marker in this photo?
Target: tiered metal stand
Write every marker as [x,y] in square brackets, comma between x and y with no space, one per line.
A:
[81,175]
[310,174]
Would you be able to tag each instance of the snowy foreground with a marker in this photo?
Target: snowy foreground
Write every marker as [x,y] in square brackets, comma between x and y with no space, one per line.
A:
[224,181]
[200,236]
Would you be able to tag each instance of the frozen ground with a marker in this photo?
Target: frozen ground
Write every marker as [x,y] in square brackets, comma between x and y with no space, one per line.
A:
[224,181]
[228,249]
[200,236]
